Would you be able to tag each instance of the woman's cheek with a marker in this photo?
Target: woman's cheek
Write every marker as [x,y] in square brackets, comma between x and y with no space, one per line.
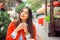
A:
[26,16]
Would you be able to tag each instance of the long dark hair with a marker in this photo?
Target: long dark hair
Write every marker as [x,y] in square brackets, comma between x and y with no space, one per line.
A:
[28,21]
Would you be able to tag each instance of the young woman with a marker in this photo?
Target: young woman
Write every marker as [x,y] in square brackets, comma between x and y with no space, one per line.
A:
[22,28]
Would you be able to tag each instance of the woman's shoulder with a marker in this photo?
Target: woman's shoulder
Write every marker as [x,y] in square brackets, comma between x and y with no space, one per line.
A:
[14,21]
[34,26]
[12,24]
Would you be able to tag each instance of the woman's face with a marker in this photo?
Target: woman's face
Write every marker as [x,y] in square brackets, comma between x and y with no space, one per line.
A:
[24,14]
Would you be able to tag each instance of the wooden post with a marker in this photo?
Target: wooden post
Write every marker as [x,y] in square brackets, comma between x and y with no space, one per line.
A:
[46,7]
[51,19]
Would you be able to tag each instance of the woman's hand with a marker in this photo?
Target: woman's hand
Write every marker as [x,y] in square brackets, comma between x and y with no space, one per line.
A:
[21,26]
[25,27]
[31,39]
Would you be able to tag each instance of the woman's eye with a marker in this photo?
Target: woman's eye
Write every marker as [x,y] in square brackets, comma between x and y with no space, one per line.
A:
[26,13]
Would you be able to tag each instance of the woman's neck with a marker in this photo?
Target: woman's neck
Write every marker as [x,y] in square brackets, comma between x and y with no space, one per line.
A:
[24,21]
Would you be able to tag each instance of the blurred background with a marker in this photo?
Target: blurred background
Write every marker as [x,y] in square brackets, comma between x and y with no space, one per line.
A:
[46,14]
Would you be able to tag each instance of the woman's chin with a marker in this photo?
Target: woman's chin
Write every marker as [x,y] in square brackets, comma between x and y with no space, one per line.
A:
[23,18]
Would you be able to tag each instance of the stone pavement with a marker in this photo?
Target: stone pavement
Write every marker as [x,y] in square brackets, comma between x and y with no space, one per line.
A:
[42,32]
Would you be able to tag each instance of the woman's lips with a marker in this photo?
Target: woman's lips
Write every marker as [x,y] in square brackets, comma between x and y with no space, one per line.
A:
[22,15]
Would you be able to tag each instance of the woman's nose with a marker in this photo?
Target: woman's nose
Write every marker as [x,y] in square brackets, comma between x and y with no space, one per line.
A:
[22,13]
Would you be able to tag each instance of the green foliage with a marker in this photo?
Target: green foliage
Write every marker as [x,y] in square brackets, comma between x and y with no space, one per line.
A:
[35,4]
[47,18]
[19,7]
[4,22]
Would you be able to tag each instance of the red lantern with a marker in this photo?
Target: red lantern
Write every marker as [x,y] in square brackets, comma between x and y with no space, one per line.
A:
[55,4]
[1,5]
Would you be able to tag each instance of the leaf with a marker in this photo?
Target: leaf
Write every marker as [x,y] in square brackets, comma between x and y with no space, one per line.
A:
[47,18]
[18,8]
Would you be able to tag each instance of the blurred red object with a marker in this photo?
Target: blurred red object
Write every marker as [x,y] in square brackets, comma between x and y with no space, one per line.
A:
[1,5]
[55,4]
[41,21]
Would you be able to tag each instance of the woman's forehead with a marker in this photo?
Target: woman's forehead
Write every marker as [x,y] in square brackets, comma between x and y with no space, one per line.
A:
[25,9]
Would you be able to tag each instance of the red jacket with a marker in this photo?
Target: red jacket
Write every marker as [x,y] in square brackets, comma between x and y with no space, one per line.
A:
[11,28]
